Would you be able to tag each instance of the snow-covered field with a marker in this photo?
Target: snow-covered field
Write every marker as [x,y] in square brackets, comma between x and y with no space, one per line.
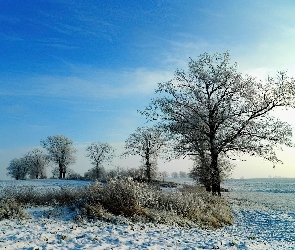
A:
[265,219]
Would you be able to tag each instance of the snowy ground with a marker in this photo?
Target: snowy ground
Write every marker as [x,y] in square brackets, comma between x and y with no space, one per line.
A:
[257,226]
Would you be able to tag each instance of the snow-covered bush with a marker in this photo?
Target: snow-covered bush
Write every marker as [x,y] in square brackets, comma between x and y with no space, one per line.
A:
[30,195]
[11,209]
[141,201]
[123,196]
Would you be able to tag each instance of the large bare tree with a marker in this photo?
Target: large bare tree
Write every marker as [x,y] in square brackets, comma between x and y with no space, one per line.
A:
[61,151]
[147,143]
[215,106]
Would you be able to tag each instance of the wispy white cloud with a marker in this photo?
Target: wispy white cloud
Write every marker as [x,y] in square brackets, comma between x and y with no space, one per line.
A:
[92,84]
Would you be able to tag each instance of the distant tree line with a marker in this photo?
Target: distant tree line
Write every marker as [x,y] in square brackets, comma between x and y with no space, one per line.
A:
[60,154]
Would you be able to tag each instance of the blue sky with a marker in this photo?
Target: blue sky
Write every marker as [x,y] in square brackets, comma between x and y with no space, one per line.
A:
[84,68]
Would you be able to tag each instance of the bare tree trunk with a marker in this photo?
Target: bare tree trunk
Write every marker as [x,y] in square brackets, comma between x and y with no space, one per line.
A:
[215,175]
[205,175]
[97,171]
[60,170]
[215,178]
[148,165]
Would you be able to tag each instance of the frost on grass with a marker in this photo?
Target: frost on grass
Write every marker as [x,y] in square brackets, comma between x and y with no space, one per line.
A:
[146,203]
[11,209]
[118,200]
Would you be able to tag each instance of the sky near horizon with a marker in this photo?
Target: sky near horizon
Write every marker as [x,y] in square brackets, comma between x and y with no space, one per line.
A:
[83,68]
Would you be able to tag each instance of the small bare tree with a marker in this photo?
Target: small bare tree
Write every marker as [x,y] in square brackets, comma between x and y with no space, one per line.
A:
[18,168]
[165,174]
[174,175]
[147,143]
[61,151]
[37,162]
[99,152]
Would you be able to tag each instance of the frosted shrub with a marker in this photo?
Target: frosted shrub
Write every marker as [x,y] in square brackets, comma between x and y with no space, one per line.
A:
[11,209]
[143,202]
[93,194]
[29,195]
[124,197]
[21,195]
[117,197]
[195,205]
[91,212]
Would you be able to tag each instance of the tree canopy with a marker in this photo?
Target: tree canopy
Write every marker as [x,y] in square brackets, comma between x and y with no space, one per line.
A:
[215,109]
[18,168]
[37,162]
[61,151]
[99,152]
